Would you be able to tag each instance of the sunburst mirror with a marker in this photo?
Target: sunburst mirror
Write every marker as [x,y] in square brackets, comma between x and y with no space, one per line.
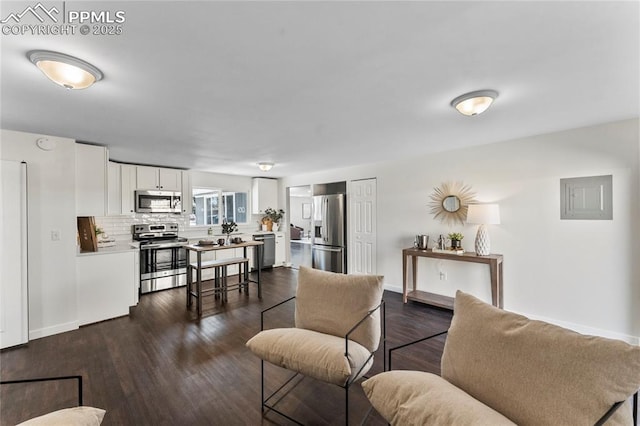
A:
[450,201]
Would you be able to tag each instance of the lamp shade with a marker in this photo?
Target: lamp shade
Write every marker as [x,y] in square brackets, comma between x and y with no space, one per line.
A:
[483,214]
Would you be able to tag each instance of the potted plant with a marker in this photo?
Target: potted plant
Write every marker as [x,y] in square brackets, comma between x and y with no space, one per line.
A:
[272,216]
[228,228]
[456,240]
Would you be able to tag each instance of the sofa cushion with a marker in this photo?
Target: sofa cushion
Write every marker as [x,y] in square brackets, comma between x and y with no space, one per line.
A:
[534,372]
[333,303]
[418,398]
[313,354]
[76,416]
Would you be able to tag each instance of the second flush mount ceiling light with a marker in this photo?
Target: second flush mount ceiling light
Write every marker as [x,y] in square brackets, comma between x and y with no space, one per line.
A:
[474,103]
[65,70]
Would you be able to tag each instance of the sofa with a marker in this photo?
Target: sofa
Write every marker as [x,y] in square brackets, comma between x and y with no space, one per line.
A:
[295,232]
[501,368]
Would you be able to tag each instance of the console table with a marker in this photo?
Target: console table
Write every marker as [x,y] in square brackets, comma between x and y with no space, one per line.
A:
[495,268]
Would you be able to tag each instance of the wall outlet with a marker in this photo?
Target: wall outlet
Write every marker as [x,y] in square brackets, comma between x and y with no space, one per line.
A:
[443,276]
[55,235]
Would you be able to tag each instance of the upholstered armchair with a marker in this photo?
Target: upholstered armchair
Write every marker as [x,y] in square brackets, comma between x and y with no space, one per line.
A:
[501,368]
[295,232]
[337,330]
[80,415]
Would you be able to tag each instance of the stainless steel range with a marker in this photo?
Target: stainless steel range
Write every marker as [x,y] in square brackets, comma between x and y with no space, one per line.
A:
[163,258]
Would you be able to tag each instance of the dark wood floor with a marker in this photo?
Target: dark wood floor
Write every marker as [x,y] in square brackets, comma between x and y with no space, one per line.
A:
[164,366]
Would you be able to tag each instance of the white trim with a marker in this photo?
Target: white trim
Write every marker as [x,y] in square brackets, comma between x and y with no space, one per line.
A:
[582,329]
[50,331]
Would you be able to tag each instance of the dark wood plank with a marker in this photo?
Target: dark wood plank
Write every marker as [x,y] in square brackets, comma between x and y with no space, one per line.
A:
[163,365]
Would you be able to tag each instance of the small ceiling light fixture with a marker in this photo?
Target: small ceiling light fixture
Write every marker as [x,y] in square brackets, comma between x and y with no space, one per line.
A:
[65,70]
[474,103]
[265,167]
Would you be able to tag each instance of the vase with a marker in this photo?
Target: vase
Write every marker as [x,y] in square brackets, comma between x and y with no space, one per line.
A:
[276,226]
[456,244]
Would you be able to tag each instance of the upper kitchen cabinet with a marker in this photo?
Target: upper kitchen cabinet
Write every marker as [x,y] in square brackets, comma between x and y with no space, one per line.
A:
[187,193]
[114,196]
[121,187]
[158,178]
[91,180]
[264,193]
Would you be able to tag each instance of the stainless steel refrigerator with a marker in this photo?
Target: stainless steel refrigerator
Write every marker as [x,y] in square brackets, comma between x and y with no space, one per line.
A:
[329,251]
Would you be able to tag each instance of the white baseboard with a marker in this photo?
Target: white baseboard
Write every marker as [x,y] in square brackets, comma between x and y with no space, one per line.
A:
[582,329]
[55,329]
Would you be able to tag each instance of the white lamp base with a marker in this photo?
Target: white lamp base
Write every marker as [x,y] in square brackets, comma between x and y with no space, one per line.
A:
[483,243]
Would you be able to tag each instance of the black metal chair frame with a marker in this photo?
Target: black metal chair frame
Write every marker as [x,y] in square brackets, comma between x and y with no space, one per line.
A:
[349,382]
[49,379]
[600,422]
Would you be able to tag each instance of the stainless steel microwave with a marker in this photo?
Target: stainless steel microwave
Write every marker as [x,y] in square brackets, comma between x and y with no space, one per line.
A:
[149,201]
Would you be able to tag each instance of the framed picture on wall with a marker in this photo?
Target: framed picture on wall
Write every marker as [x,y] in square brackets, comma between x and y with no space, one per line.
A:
[306,210]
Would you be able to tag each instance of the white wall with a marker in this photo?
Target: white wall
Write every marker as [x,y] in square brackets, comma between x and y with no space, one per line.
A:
[295,214]
[51,189]
[580,274]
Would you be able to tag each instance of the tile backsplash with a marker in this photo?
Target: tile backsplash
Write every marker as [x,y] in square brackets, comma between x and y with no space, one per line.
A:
[119,227]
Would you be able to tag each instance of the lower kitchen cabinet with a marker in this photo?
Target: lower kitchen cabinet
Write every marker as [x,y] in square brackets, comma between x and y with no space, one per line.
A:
[281,249]
[107,285]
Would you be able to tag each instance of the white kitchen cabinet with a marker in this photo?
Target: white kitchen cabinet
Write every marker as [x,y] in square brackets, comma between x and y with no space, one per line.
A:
[264,194]
[121,180]
[107,285]
[114,197]
[158,178]
[128,185]
[91,180]
[281,249]
[187,197]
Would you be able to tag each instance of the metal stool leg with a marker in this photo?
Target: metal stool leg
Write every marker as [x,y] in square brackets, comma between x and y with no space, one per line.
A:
[224,283]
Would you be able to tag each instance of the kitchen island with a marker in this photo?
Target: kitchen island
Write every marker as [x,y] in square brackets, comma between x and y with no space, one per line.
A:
[199,249]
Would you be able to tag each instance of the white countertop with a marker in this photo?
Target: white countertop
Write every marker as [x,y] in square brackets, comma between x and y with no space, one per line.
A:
[120,247]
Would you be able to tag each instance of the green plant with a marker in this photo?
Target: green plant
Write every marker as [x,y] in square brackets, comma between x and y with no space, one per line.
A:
[273,214]
[229,227]
[456,236]
[99,231]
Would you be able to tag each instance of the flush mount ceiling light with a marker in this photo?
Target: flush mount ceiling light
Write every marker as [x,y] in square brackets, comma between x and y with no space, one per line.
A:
[474,103]
[265,167]
[65,70]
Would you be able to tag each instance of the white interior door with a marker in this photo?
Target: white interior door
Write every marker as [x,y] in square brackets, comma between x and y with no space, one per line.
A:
[14,327]
[362,229]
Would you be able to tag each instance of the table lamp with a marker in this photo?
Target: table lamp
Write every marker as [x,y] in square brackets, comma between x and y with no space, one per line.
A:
[483,214]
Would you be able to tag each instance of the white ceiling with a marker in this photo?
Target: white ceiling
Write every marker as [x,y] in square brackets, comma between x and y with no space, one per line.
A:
[220,86]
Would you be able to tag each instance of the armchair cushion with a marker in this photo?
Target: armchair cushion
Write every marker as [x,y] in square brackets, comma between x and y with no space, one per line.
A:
[418,398]
[534,372]
[333,303]
[76,416]
[313,354]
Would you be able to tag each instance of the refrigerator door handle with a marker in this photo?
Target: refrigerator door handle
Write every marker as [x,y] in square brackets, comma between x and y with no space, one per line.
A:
[331,249]
[325,220]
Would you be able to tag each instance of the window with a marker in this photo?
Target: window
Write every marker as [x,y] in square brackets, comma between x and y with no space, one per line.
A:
[213,206]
